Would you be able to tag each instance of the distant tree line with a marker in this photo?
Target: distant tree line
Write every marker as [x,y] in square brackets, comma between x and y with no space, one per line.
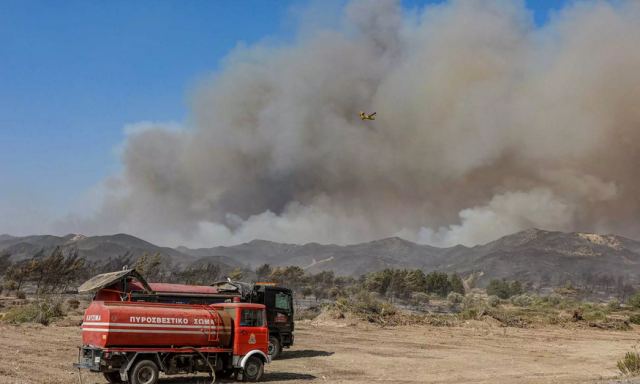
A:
[401,283]
[48,272]
[389,283]
[61,269]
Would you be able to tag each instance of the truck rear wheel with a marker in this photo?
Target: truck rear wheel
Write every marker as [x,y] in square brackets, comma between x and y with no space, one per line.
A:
[275,347]
[113,377]
[144,372]
[253,369]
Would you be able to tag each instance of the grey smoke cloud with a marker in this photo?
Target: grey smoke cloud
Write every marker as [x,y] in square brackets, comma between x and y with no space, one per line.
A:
[486,125]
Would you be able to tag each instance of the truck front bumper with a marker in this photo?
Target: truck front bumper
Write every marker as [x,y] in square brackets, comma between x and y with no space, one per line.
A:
[89,358]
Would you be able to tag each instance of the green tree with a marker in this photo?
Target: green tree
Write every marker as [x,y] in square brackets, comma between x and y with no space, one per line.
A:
[438,283]
[516,288]
[378,281]
[292,277]
[499,288]
[456,283]
[263,272]
[19,273]
[416,281]
[504,289]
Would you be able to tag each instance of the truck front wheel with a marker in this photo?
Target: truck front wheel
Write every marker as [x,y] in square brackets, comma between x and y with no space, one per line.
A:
[144,372]
[112,377]
[253,369]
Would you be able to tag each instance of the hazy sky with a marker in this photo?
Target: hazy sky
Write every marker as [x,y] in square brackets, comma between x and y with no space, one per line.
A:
[74,74]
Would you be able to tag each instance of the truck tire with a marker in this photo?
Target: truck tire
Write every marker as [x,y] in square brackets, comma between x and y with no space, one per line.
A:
[253,369]
[112,377]
[144,372]
[275,347]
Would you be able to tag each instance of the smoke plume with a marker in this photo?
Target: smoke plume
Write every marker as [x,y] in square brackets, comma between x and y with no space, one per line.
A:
[486,124]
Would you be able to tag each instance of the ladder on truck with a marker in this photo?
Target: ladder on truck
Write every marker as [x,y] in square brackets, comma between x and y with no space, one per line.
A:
[215,324]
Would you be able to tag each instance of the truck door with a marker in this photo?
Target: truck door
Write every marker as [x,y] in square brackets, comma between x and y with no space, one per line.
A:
[252,331]
[279,312]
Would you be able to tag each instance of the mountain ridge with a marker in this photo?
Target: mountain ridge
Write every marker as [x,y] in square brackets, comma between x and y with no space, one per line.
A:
[533,254]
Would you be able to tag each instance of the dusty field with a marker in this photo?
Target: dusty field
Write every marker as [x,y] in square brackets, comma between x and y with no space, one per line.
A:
[333,353]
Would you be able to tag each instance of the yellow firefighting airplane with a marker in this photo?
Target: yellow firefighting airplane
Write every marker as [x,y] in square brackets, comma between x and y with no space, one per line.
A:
[364,116]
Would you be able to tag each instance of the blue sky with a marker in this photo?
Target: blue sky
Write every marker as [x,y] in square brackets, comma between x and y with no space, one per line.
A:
[74,73]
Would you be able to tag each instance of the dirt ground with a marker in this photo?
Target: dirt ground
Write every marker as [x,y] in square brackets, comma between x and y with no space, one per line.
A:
[338,353]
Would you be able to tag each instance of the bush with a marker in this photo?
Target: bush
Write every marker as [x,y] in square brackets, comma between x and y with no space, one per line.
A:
[438,283]
[420,298]
[554,299]
[613,304]
[594,315]
[21,295]
[634,319]
[472,301]
[504,289]
[37,312]
[455,298]
[469,314]
[366,307]
[634,300]
[522,300]
[493,301]
[73,303]
[630,364]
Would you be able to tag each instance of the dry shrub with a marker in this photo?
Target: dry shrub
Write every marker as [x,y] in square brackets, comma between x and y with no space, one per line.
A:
[634,319]
[420,298]
[21,295]
[455,298]
[611,324]
[508,319]
[493,301]
[523,300]
[41,311]
[470,314]
[73,304]
[554,299]
[613,305]
[630,364]
[366,306]
[307,314]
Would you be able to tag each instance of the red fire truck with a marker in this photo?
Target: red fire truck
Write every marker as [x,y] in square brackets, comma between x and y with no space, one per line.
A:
[132,341]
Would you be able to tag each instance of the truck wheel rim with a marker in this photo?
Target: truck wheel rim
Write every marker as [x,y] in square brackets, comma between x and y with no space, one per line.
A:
[251,370]
[272,348]
[146,375]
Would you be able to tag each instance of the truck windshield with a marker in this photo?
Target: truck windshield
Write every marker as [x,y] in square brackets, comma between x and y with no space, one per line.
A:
[283,301]
[252,318]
